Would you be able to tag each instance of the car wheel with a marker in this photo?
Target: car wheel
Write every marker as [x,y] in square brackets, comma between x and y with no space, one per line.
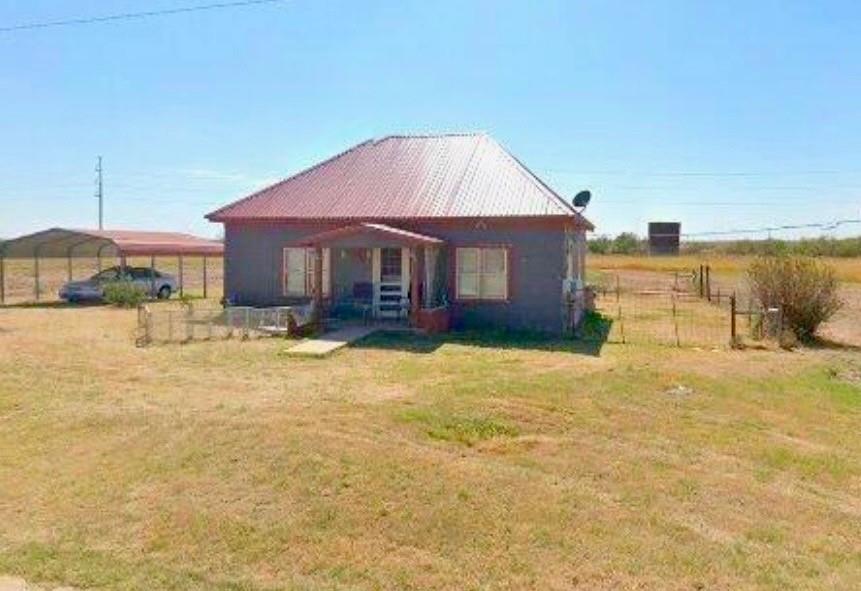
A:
[164,292]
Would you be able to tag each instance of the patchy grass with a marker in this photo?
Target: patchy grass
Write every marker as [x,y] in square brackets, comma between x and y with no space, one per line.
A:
[468,430]
[467,462]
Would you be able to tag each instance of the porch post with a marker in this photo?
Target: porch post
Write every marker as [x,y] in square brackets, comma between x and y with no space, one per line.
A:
[318,285]
[415,281]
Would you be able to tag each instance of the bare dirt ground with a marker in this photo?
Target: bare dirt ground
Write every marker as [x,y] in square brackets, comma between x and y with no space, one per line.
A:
[19,584]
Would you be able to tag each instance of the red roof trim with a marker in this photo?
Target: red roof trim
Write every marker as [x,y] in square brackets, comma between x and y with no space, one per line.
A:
[398,234]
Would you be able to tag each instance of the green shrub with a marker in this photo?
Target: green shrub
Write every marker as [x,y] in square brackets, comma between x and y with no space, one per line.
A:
[804,289]
[124,294]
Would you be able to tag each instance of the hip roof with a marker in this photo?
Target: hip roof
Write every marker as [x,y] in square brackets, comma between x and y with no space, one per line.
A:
[408,177]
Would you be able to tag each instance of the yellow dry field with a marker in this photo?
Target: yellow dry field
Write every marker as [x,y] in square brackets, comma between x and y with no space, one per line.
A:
[459,462]
[848,269]
[703,326]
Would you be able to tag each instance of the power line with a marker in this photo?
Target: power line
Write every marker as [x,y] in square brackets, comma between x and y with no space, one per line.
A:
[833,225]
[133,15]
[100,194]
[697,173]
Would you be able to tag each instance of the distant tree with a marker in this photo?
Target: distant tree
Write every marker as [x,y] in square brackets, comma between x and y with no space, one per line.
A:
[600,244]
[626,243]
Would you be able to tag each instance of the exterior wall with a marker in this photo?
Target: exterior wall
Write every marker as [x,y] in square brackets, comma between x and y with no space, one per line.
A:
[537,268]
[252,261]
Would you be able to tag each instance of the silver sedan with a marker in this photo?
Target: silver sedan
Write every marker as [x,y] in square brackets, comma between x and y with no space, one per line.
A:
[154,283]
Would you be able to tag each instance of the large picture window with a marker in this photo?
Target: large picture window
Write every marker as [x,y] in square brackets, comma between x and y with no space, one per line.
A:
[482,273]
[298,271]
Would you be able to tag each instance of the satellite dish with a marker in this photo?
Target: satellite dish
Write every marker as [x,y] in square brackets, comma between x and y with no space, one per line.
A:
[582,198]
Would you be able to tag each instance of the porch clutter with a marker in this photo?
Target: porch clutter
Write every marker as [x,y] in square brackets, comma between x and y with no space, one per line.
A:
[377,272]
[434,320]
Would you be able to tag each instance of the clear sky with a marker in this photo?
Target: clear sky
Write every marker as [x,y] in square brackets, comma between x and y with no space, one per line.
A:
[721,115]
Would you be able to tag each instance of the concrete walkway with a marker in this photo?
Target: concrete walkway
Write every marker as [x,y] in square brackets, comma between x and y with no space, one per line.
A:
[331,341]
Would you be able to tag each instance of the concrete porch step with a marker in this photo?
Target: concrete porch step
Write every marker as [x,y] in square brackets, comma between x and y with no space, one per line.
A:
[331,341]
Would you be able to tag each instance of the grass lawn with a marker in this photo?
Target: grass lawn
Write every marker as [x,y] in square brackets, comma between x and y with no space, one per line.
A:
[422,463]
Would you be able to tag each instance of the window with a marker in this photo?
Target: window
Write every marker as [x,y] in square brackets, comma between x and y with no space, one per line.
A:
[298,271]
[107,275]
[482,273]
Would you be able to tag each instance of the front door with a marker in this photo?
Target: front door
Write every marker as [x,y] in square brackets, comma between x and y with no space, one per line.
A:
[391,282]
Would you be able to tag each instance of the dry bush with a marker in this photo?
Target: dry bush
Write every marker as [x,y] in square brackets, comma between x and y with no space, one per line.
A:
[803,288]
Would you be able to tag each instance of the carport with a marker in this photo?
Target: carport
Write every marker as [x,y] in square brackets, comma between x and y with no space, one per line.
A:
[69,244]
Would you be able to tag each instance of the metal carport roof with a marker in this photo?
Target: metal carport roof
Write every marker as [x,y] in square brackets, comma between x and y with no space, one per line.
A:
[63,243]
[69,243]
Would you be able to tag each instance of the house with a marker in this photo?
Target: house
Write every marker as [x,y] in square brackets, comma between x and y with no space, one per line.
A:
[423,226]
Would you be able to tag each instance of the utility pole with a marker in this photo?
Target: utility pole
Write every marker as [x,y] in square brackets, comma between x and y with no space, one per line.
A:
[100,193]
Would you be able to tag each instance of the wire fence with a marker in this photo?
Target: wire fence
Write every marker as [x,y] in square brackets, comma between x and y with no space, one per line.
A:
[189,323]
[677,309]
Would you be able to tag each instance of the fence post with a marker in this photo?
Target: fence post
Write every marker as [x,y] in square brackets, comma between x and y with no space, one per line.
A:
[709,282]
[676,322]
[181,276]
[144,333]
[36,285]
[189,324]
[621,324]
[701,289]
[204,277]
[732,328]
[618,289]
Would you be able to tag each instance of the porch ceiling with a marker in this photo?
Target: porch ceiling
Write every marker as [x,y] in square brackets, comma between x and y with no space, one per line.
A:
[387,233]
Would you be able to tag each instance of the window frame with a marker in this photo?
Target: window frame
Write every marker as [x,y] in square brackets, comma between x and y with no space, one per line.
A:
[307,272]
[480,248]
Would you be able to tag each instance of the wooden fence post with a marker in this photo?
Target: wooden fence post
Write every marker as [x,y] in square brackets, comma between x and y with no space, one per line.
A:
[181,276]
[204,277]
[701,284]
[676,322]
[732,318]
[709,282]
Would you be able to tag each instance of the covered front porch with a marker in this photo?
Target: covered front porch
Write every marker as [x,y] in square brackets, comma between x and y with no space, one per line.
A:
[373,273]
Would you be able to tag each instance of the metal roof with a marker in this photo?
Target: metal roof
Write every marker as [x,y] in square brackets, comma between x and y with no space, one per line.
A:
[60,242]
[408,177]
[396,234]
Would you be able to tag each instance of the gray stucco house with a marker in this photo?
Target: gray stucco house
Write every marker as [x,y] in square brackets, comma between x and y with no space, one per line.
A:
[440,229]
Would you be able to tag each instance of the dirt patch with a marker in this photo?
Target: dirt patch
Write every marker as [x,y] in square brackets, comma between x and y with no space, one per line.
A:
[19,584]
[679,391]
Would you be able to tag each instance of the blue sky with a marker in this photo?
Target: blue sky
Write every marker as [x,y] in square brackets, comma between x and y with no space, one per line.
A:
[721,115]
